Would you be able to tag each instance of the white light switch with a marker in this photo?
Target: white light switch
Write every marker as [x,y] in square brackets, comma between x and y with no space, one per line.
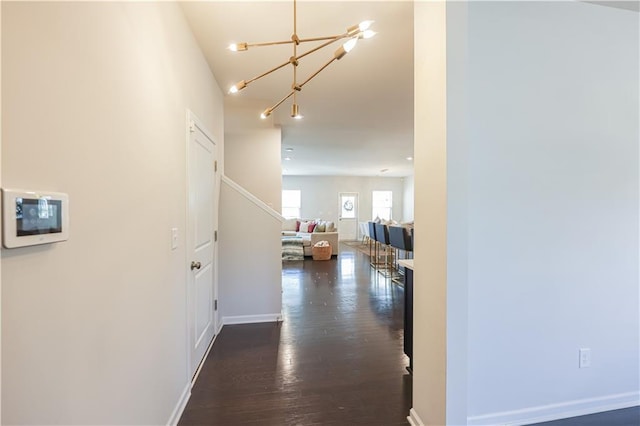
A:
[585,357]
[174,238]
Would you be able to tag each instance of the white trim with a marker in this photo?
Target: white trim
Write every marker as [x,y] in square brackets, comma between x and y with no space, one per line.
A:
[249,196]
[251,319]
[563,410]
[193,123]
[186,393]
[180,406]
[204,358]
[414,419]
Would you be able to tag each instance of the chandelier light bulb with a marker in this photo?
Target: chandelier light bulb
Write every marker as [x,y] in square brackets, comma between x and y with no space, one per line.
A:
[237,47]
[350,44]
[364,25]
[367,34]
[295,112]
[266,113]
[238,87]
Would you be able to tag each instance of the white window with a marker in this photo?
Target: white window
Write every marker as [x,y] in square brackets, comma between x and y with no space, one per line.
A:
[382,203]
[291,203]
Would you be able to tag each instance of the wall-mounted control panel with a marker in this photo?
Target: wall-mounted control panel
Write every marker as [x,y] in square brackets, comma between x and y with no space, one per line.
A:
[30,218]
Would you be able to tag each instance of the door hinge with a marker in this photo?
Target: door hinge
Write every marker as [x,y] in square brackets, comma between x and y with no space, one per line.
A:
[215,235]
[215,305]
[215,166]
[192,126]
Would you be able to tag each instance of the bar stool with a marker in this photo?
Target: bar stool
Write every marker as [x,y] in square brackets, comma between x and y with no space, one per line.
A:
[373,246]
[382,236]
[400,240]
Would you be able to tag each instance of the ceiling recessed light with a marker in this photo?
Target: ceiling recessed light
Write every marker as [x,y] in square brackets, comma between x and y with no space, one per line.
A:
[409,158]
[289,149]
[287,158]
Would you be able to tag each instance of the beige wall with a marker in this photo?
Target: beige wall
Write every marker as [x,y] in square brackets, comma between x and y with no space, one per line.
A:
[252,160]
[94,100]
[430,279]
[320,194]
[250,258]
[253,151]
[408,198]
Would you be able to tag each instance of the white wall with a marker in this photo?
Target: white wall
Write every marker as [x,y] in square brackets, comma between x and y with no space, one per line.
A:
[541,202]
[250,258]
[408,197]
[553,207]
[252,159]
[320,194]
[94,99]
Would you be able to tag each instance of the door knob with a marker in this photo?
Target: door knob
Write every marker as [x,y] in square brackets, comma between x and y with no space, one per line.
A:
[195,265]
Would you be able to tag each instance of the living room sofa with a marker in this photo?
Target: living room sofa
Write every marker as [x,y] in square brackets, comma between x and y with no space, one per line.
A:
[321,230]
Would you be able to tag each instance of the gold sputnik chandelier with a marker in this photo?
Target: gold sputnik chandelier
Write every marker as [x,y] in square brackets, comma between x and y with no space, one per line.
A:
[352,35]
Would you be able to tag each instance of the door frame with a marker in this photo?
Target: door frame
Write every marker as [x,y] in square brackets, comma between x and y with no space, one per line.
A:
[357,208]
[193,122]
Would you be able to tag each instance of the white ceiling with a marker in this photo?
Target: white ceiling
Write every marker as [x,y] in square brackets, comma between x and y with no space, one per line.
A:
[358,112]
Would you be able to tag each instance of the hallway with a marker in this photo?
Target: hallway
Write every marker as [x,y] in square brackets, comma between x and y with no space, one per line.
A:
[336,359]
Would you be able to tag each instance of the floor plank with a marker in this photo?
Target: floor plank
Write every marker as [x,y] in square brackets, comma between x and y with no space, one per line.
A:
[624,417]
[336,359]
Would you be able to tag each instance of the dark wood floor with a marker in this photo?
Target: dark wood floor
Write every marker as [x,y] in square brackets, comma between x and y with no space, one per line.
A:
[336,359]
[625,417]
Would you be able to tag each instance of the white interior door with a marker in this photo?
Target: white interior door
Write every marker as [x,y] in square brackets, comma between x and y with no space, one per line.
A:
[201,291]
[348,219]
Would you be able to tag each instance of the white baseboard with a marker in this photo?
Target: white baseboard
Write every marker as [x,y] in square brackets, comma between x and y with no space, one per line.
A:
[545,413]
[186,393]
[204,358]
[249,319]
[179,408]
[414,419]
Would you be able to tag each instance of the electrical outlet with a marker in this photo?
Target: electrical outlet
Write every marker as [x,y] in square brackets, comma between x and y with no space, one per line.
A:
[584,355]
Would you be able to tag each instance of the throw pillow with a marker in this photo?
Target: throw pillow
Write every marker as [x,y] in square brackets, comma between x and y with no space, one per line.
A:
[304,227]
[289,225]
[320,227]
[331,227]
[312,226]
[297,226]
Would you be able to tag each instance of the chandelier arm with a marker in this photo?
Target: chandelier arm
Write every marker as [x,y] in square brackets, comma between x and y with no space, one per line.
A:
[268,72]
[337,37]
[268,43]
[318,72]
[284,64]
[282,100]
[315,49]
[302,40]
